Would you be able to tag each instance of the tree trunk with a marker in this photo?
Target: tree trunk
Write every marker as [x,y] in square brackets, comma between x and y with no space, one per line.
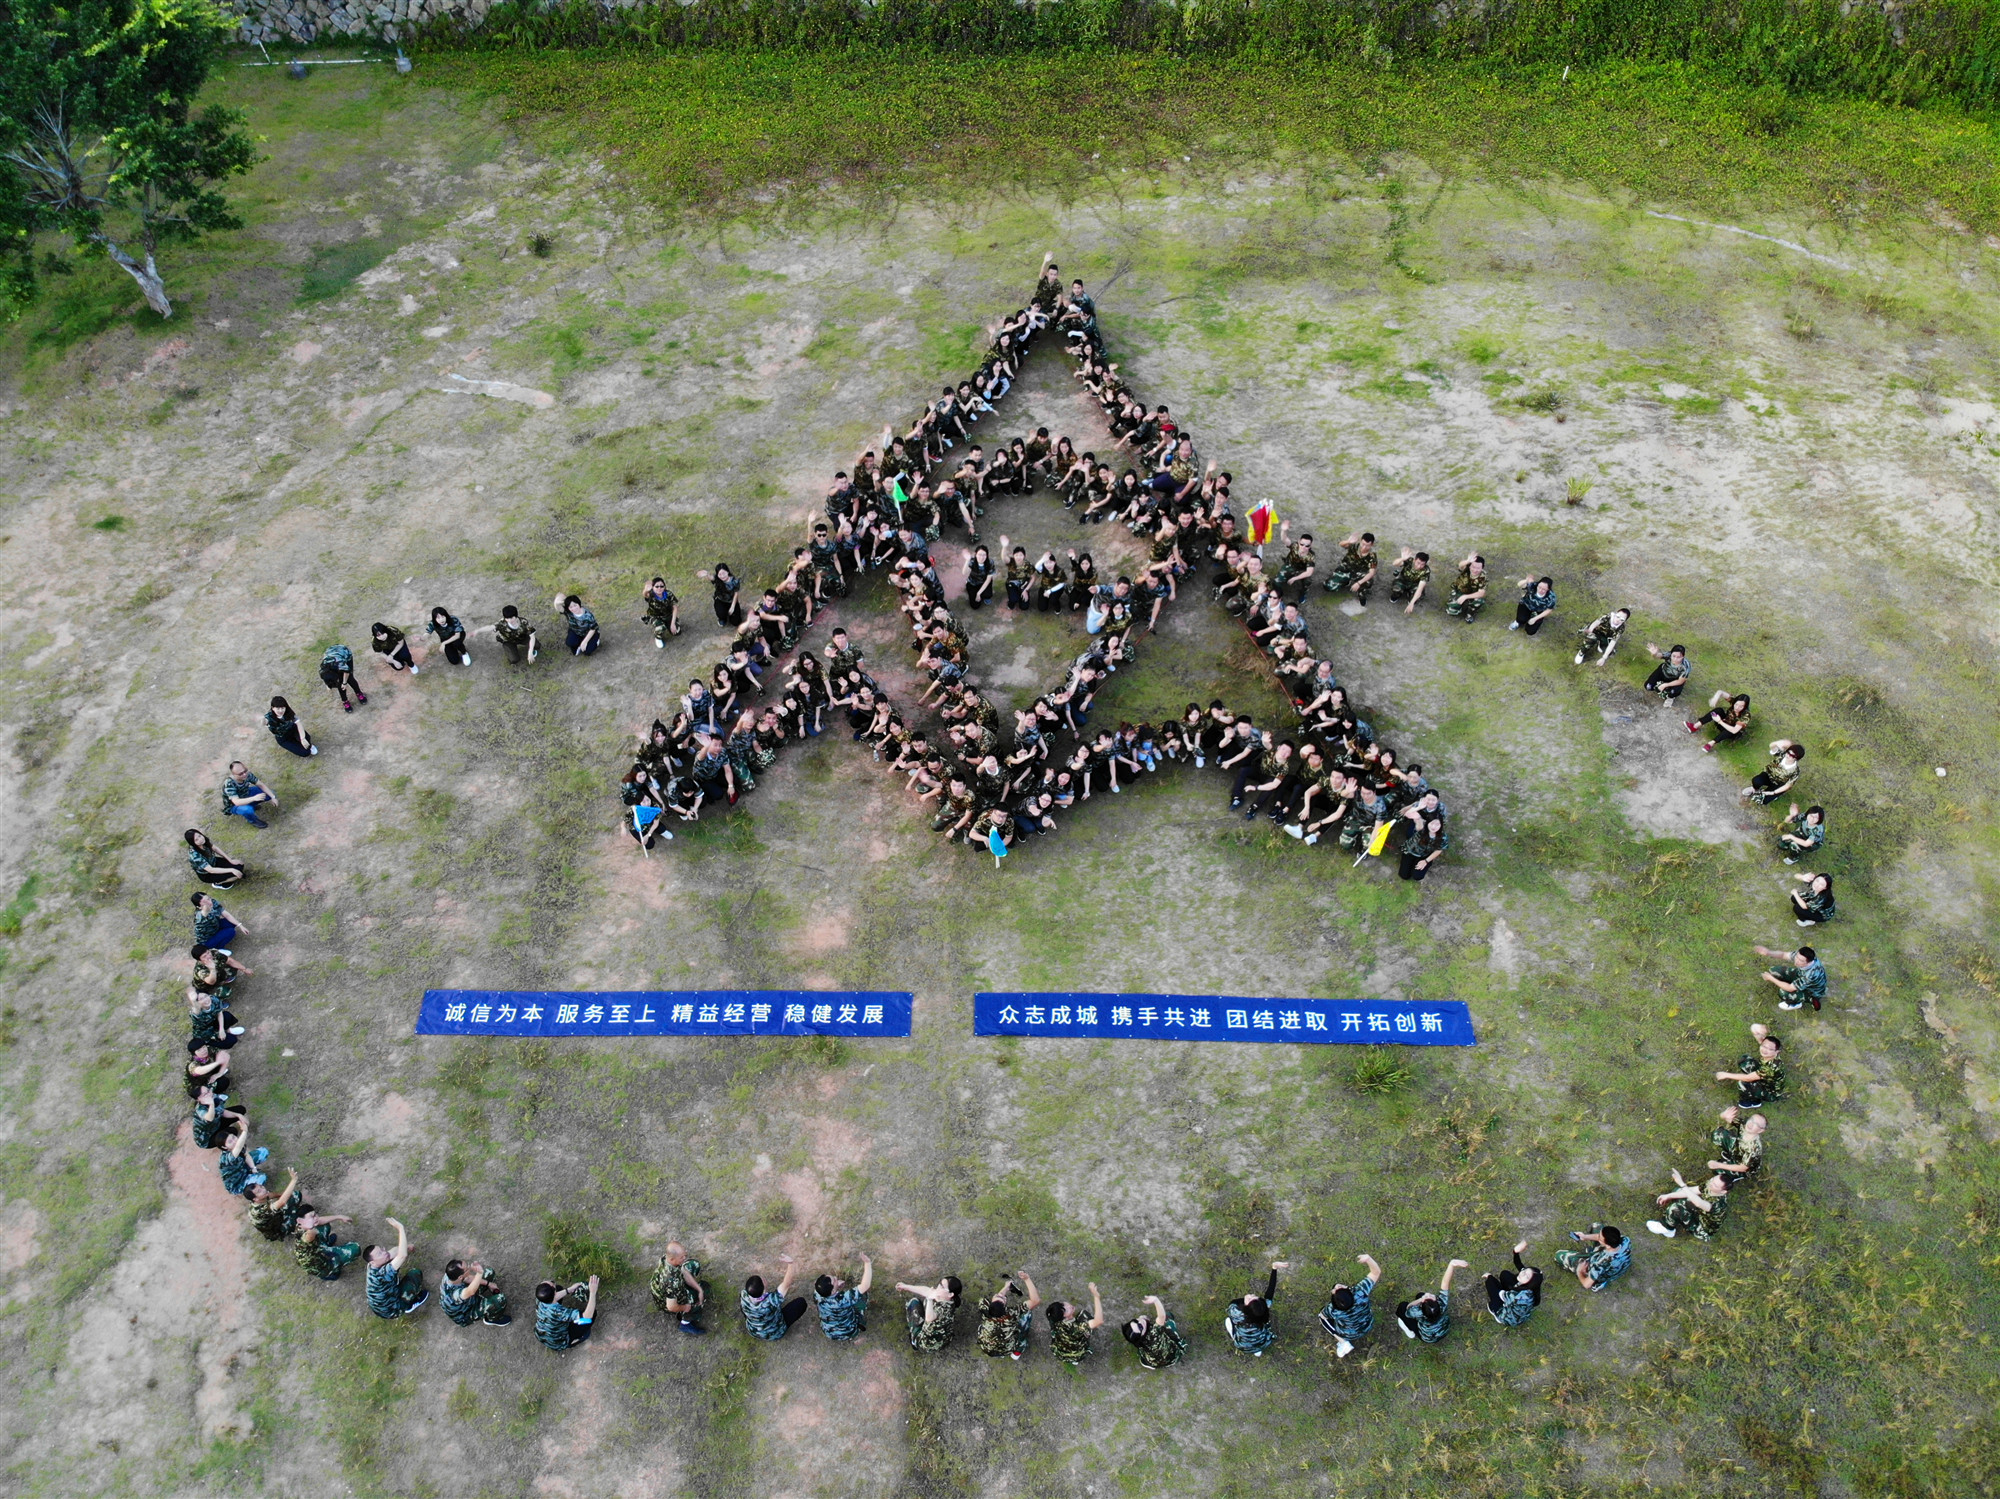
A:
[147,275]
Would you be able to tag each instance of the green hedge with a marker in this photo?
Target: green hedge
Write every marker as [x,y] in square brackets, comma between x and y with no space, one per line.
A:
[1948,49]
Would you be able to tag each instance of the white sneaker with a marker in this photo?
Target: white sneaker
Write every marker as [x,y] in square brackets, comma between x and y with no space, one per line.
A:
[1791,1004]
[659,644]
[1295,830]
[1791,861]
[667,833]
[468,659]
[1514,624]
[315,749]
[1659,1228]
[1199,762]
[1579,658]
[413,671]
[1311,838]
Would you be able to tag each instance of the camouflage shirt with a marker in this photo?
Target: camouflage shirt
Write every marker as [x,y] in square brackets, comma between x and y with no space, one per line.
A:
[1427,1329]
[1770,1086]
[676,1282]
[1358,1320]
[1408,575]
[339,657]
[315,1259]
[1162,1345]
[843,1315]
[933,1336]
[1069,1339]
[514,632]
[1000,1337]
[275,1218]
[764,1316]
[1466,582]
[554,1323]
[461,1308]
[1247,1337]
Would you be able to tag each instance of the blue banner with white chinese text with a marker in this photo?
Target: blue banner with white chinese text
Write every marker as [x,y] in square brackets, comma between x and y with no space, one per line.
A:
[690,1012]
[1224,1017]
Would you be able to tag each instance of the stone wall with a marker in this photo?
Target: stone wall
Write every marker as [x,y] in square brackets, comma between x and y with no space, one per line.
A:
[316,20]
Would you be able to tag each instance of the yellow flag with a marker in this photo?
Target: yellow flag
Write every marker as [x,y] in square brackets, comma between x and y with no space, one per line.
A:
[1381,839]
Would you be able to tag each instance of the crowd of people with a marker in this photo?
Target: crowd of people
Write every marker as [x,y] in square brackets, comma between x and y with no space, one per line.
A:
[1326,779]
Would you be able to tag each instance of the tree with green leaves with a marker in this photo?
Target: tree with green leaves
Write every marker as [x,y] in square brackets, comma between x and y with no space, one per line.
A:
[99,136]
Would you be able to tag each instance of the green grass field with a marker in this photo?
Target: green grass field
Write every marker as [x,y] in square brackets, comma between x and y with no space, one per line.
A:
[1441,305]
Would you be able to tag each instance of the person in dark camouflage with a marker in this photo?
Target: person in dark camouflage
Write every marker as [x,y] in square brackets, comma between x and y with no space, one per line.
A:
[393,1290]
[1356,571]
[677,1289]
[320,1253]
[1468,589]
[1606,1255]
[276,1215]
[1799,976]
[212,1122]
[1427,1318]
[1513,1294]
[559,1326]
[1003,1327]
[471,1293]
[516,636]
[1691,1209]
[1739,1150]
[1759,1075]
[1070,1330]
[766,1312]
[336,670]
[843,1309]
[1158,1338]
[1349,1314]
[1412,577]
[1248,1319]
[663,611]
[931,1312]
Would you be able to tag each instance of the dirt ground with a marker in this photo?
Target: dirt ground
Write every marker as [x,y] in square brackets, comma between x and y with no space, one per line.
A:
[380,397]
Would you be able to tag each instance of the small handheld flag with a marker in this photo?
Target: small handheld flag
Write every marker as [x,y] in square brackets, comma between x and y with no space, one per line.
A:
[997,844]
[1377,841]
[1263,521]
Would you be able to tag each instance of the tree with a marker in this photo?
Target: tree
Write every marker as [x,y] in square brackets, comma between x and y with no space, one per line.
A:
[98,129]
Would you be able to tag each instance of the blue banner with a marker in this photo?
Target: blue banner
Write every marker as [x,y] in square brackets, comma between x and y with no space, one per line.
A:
[641,1012]
[1225,1017]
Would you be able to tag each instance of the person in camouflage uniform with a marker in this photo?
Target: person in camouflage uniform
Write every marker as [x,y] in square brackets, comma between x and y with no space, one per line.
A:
[559,1326]
[931,1312]
[843,1309]
[1512,1295]
[1603,634]
[1349,1313]
[1759,1075]
[1358,568]
[276,1215]
[336,670]
[663,611]
[1691,1209]
[1468,589]
[1248,1318]
[1070,1330]
[677,1289]
[471,1293]
[319,1252]
[516,636]
[1739,1147]
[395,1287]
[1003,1327]
[1427,1318]
[766,1312]
[1607,1255]
[1158,1338]
[1410,580]
[1297,566]
[1800,977]
[212,1122]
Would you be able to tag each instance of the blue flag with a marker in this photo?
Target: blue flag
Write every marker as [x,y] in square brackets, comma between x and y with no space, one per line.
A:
[995,842]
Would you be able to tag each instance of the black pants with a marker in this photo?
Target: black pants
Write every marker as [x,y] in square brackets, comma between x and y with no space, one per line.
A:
[1524,616]
[1658,680]
[794,1309]
[455,653]
[1408,868]
[1243,774]
[728,610]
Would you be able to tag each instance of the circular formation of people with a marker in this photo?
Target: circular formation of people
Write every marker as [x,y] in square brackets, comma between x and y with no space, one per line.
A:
[1325,779]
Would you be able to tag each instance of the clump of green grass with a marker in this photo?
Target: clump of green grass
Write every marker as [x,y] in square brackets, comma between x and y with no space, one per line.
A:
[573,1252]
[110,523]
[1380,1069]
[541,246]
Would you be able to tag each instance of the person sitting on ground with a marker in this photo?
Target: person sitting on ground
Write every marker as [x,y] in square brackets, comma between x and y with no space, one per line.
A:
[1468,589]
[1814,904]
[1670,677]
[1356,571]
[663,611]
[1759,1075]
[1427,1318]
[393,1290]
[1739,1146]
[319,1252]
[276,1215]
[290,734]
[1603,634]
[1513,1295]
[766,1312]
[1799,976]
[1412,577]
[1538,602]
[677,1289]
[1003,1327]
[516,636]
[450,634]
[1248,1320]
[1693,1210]
[559,1326]
[238,1163]
[214,926]
[580,626]
[1810,833]
[1158,1338]
[1608,1256]
[931,1311]
[1070,1330]
[243,794]
[1728,714]
[843,1309]
[213,1123]
[210,864]
[1779,775]
[471,1293]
